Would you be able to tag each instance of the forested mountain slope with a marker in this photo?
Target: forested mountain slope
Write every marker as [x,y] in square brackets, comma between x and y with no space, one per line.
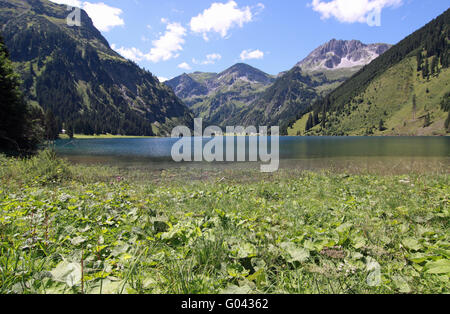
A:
[73,72]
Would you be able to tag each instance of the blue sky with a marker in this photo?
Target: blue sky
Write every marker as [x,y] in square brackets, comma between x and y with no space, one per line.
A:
[175,36]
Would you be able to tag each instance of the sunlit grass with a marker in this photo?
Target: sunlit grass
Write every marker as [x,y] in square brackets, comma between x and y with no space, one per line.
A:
[80,229]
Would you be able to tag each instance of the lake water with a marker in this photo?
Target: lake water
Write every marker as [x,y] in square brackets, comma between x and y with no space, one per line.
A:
[391,154]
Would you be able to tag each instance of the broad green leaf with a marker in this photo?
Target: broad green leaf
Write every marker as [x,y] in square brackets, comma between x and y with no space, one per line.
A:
[401,284]
[78,240]
[119,249]
[358,242]
[258,277]
[412,244]
[438,267]
[372,264]
[245,250]
[70,273]
[296,254]
[419,258]
[149,282]
[374,278]
[258,263]
[309,245]
[344,227]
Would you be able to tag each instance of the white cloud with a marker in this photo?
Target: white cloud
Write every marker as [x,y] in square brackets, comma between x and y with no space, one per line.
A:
[351,11]
[252,54]
[166,47]
[221,17]
[213,57]
[103,16]
[185,66]
[210,59]
[169,44]
[162,79]
[130,53]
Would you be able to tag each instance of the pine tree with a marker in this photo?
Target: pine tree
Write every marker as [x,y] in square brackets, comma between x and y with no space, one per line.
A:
[309,123]
[426,70]
[51,126]
[419,60]
[447,123]
[445,106]
[434,65]
[414,107]
[70,131]
[18,132]
[381,126]
[324,116]
[316,118]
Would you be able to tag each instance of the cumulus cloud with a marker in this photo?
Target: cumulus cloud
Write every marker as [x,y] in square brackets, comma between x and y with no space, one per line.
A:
[184,66]
[169,44]
[252,54]
[210,59]
[221,17]
[162,79]
[103,16]
[164,48]
[351,11]
[130,53]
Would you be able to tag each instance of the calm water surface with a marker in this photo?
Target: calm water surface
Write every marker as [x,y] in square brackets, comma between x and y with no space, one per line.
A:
[397,154]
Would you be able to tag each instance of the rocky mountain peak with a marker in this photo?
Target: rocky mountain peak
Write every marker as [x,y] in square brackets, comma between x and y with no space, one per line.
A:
[341,54]
[185,86]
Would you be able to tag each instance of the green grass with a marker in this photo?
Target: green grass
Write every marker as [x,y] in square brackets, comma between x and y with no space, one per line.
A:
[299,127]
[81,229]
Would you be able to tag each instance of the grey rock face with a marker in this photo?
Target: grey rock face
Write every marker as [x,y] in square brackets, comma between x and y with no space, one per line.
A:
[341,54]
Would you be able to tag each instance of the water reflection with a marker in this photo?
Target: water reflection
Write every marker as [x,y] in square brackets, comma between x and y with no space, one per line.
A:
[351,154]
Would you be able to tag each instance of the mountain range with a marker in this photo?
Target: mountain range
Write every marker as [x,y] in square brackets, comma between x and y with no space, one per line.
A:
[244,95]
[344,87]
[220,98]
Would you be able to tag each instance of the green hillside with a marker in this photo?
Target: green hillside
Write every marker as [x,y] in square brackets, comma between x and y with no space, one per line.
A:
[284,99]
[291,95]
[73,72]
[399,93]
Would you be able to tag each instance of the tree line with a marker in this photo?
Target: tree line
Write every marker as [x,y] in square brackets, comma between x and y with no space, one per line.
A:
[22,126]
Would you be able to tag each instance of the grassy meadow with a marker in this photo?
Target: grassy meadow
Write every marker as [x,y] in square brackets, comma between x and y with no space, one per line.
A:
[88,229]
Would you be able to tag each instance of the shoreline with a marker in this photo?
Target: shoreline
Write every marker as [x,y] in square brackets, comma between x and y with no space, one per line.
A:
[109,136]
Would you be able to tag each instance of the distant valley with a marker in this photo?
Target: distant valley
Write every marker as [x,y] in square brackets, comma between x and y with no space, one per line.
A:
[244,95]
